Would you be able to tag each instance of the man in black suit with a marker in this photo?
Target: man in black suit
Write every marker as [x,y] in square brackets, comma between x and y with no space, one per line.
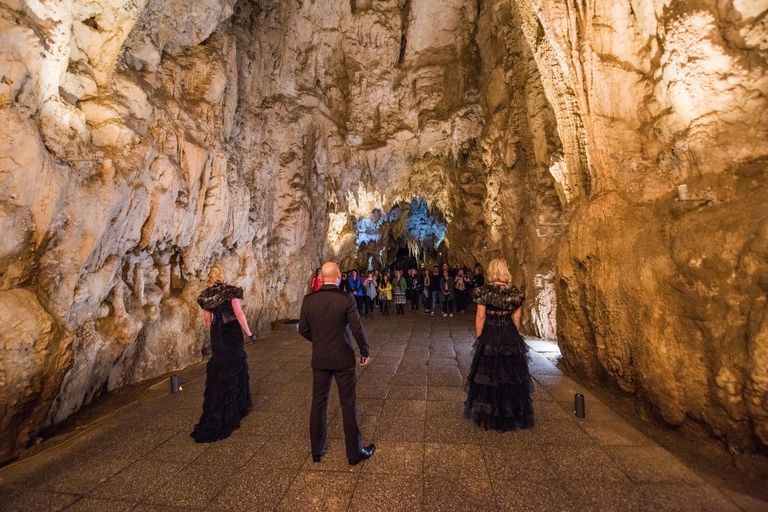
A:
[327,316]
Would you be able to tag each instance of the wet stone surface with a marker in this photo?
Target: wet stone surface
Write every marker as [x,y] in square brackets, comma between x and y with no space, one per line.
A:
[410,402]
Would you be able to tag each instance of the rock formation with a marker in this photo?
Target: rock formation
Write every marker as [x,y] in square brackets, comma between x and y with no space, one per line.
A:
[145,140]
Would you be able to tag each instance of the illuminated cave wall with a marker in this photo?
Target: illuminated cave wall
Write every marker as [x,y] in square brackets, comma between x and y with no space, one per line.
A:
[412,226]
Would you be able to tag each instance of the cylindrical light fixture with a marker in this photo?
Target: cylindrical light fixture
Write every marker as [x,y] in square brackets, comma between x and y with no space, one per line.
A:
[578,405]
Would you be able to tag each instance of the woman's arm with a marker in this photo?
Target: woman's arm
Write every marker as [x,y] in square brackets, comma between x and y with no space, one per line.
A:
[480,319]
[517,317]
[241,317]
[208,318]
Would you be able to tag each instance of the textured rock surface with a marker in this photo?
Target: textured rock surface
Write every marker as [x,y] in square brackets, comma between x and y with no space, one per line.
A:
[142,141]
[665,297]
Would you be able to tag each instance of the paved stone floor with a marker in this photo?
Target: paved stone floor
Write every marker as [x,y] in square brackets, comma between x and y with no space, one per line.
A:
[410,403]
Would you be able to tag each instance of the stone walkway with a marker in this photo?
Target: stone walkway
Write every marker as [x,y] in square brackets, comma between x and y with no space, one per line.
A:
[410,403]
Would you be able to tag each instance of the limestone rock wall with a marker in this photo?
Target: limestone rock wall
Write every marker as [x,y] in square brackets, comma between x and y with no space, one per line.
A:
[520,151]
[118,189]
[665,297]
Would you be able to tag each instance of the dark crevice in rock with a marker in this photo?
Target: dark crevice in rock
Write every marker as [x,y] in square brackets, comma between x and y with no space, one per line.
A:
[405,14]
[91,22]
[540,33]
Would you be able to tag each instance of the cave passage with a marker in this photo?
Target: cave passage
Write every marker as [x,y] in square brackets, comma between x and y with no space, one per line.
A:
[409,235]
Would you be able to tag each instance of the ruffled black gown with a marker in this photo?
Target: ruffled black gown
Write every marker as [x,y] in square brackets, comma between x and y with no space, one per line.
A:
[227,397]
[499,385]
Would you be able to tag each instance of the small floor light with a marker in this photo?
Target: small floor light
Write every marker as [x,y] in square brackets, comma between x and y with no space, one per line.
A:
[175,384]
[578,405]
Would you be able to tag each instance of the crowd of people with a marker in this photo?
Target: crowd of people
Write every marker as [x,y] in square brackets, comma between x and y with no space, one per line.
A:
[448,288]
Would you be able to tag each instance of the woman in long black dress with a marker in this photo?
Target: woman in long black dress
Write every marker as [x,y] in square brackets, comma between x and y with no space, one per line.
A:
[227,397]
[499,385]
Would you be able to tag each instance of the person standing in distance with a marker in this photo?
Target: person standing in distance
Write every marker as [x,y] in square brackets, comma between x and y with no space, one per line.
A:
[317,281]
[327,317]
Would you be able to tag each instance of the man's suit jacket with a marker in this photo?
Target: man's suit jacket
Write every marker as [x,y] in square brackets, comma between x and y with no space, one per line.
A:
[327,317]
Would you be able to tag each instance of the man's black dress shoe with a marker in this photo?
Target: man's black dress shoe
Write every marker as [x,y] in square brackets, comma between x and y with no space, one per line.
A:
[316,458]
[365,454]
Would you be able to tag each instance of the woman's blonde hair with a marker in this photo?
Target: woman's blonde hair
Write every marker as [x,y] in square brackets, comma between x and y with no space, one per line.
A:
[499,272]
[216,274]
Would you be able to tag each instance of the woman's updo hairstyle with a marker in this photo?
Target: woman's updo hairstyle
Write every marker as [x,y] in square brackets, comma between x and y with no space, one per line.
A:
[216,274]
[498,272]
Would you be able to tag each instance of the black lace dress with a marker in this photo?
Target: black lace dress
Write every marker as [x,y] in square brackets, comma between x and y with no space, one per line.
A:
[499,385]
[227,397]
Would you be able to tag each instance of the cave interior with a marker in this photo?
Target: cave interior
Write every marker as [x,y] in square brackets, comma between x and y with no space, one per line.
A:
[614,152]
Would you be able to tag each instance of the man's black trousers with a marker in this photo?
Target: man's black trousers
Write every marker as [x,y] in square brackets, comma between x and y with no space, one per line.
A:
[318,424]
